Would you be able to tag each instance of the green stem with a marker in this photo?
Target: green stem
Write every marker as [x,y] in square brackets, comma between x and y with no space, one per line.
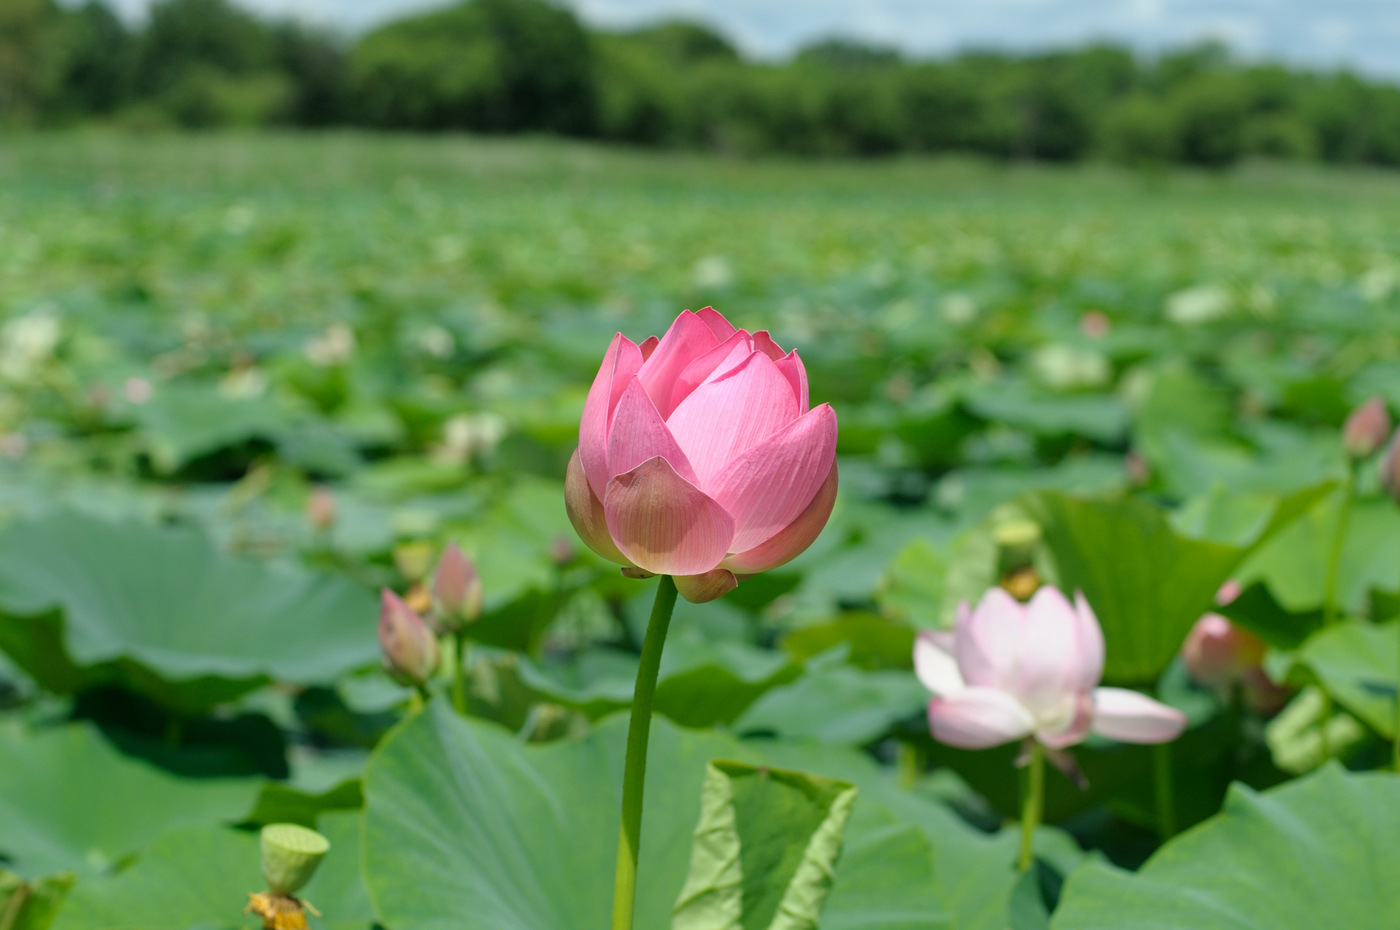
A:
[10,919]
[459,673]
[634,774]
[1397,715]
[1163,787]
[1032,805]
[1329,592]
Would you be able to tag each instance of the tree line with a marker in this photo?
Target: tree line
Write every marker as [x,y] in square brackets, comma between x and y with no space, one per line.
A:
[512,66]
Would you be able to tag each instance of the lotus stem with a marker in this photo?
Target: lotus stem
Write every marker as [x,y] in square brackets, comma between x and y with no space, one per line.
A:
[1163,786]
[634,774]
[9,920]
[1329,595]
[1032,805]
[459,672]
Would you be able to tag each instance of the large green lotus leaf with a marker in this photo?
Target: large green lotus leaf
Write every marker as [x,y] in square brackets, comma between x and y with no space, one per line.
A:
[1146,581]
[764,852]
[71,802]
[836,704]
[701,683]
[1323,851]
[1018,403]
[467,827]
[183,422]
[1358,663]
[84,602]
[200,877]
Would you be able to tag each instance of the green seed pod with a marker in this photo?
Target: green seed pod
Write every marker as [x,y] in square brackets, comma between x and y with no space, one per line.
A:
[290,855]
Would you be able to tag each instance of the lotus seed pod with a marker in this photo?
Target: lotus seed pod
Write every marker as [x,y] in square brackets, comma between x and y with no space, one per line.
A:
[1366,429]
[457,590]
[290,855]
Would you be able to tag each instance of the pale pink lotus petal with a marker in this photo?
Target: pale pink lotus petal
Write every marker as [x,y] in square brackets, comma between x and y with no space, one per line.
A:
[1130,717]
[719,361]
[688,337]
[1091,648]
[763,342]
[770,484]
[586,513]
[712,318]
[794,538]
[1070,725]
[792,368]
[724,417]
[638,433]
[665,524]
[976,718]
[989,636]
[622,361]
[706,587]
[1048,657]
[934,664]
[648,346]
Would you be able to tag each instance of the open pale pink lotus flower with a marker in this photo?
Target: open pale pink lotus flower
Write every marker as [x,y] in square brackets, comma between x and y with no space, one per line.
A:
[698,456]
[1009,670]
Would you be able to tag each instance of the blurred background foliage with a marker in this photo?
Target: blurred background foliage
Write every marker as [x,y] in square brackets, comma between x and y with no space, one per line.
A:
[507,66]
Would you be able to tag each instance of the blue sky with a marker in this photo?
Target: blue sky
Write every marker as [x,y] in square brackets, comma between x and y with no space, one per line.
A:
[1360,34]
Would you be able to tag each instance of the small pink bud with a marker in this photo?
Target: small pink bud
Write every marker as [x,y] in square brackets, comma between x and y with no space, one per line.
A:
[1390,468]
[1095,324]
[1227,593]
[1366,429]
[457,590]
[410,648]
[561,551]
[1218,653]
[320,508]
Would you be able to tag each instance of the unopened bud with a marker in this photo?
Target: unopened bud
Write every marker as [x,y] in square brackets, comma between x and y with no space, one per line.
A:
[409,646]
[1390,468]
[561,550]
[457,589]
[290,855]
[1218,653]
[320,508]
[1366,429]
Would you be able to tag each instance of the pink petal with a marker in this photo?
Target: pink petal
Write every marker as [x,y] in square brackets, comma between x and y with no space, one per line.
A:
[1049,658]
[665,524]
[988,639]
[792,368]
[701,588]
[1071,725]
[712,318]
[586,513]
[688,338]
[763,342]
[638,433]
[720,360]
[1130,717]
[1091,648]
[792,541]
[976,718]
[724,417]
[771,484]
[934,664]
[621,362]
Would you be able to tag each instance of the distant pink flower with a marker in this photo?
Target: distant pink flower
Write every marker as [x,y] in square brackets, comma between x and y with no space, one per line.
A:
[1222,655]
[1366,429]
[698,456]
[1009,670]
[410,648]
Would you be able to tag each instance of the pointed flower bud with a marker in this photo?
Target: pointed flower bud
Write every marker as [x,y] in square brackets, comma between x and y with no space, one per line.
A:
[290,855]
[457,591]
[1366,429]
[410,648]
[1390,468]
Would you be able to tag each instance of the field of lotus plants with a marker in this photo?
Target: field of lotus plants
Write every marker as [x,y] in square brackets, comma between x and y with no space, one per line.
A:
[517,535]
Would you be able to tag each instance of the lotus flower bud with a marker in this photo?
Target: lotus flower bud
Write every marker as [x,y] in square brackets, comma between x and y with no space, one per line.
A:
[320,508]
[290,855]
[1366,429]
[700,456]
[1218,653]
[457,590]
[409,646]
[561,551]
[1390,468]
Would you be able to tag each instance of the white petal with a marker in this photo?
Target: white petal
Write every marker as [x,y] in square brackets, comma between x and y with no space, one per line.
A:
[1130,717]
[935,665]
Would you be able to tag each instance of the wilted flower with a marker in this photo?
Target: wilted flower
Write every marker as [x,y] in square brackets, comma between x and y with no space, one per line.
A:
[698,456]
[1008,671]
[1366,429]
[409,646]
[457,591]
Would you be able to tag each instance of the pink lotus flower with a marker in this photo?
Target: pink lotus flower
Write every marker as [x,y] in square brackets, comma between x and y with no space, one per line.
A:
[409,646]
[698,456]
[1008,671]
